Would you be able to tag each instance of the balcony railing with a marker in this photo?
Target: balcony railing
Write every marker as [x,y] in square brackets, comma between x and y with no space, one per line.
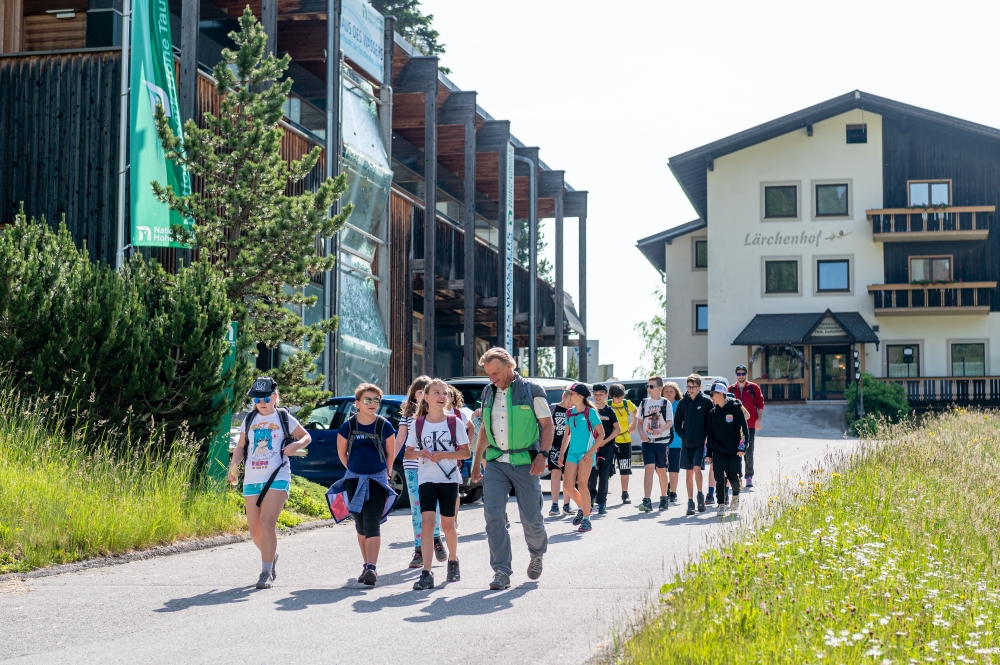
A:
[951,223]
[980,390]
[924,299]
[782,390]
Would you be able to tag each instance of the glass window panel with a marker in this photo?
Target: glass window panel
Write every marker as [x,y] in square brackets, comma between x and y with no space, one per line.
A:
[781,277]
[783,364]
[941,270]
[930,269]
[904,360]
[701,315]
[781,201]
[939,193]
[700,253]
[833,276]
[968,360]
[831,200]
[321,418]
[919,194]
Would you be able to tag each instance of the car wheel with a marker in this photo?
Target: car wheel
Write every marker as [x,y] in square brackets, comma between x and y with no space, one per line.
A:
[398,483]
[473,495]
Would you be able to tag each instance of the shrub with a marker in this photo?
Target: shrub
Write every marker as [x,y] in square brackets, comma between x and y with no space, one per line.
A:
[883,402]
[307,498]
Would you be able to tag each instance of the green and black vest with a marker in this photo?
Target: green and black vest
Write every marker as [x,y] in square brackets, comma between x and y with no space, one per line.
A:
[524,434]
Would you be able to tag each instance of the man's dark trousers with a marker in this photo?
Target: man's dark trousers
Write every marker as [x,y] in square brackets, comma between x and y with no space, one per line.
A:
[748,456]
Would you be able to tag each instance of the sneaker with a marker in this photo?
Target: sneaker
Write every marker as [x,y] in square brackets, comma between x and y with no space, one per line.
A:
[722,509]
[500,581]
[274,565]
[673,499]
[602,509]
[749,482]
[646,506]
[735,502]
[701,502]
[567,510]
[534,568]
[264,581]
[369,577]
[625,498]
[361,577]
[554,510]
[710,499]
[585,526]
[690,507]
[453,573]
[578,518]
[439,552]
[425,582]
[663,503]
[418,559]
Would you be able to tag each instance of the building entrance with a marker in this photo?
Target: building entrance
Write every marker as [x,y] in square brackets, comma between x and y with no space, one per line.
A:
[830,369]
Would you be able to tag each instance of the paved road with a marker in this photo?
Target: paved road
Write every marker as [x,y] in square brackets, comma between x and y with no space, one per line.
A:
[199,607]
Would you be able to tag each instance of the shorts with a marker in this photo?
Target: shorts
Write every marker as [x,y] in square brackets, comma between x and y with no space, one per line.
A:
[254,489]
[623,458]
[655,453]
[439,496]
[553,461]
[692,457]
[575,458]
[674,460]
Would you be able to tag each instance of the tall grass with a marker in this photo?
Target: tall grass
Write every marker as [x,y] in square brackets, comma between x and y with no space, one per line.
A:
[888,555]
[62,500]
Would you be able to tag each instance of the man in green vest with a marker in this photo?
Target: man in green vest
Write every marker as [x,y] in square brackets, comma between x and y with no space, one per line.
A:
[514,441]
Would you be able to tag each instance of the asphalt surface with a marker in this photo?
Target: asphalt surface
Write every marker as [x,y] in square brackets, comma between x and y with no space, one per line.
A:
[200,607]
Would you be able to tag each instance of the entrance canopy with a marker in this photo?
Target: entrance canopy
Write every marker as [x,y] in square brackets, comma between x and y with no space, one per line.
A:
[822,328]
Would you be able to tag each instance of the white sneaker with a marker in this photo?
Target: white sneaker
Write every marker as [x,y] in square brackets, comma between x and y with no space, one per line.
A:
[722,509]
[734,503]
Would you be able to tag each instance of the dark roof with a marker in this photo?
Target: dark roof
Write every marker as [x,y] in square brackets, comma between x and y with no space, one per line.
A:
[689,168]
[799,328]
[652,246]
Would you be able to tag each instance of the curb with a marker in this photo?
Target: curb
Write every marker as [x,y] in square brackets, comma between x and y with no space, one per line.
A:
[165,550]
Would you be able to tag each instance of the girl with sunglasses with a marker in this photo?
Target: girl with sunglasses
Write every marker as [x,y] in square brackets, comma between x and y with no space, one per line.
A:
[268,437]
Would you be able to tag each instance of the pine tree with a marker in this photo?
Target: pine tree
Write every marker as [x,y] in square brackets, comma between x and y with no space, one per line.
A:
[262,240]
[415,27]
[573,367]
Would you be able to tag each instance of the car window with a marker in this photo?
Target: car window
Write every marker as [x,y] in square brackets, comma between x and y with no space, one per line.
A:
[554,395]
[391,411]
[344,411]
[471,397]
[322,417]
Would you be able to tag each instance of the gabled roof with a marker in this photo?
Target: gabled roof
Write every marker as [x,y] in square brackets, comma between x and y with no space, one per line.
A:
[652,246]
[689,168]
[766,329]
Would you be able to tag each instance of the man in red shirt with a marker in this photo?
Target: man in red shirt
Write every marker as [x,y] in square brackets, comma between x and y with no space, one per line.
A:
[750,394]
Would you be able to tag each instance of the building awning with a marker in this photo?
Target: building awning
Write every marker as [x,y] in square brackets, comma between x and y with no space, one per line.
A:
[822,328]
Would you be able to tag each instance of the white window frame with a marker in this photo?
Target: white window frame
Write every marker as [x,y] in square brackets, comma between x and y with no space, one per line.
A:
[832,181]
[798,200]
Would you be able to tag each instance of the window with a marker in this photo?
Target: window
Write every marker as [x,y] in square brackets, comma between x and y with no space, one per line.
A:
[781,202]
[418,344]
[781,277]
[700,254]
[700,317]
[833,275]
[968,359]
[701,371]
[831,200]
[930,269]
[903,360]
[929,192]
[857,133]
[785,362]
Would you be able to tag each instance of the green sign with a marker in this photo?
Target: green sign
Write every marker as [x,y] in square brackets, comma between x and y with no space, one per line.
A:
[218,451]
[152,82]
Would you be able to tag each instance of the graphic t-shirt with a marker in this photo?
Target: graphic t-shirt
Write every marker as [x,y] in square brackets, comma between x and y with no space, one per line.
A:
[263,453]
[436,437]
[580,438]
[608,420]
[364,457]
[558,425]
[654,422]
[625,413]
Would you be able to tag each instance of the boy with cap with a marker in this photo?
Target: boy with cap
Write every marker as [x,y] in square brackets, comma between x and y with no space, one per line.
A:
[655,418]
[727,435]
[606,453]
[750,394]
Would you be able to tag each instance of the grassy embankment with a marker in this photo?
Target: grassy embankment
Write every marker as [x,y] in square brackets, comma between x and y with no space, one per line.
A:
[60,502]
[889,556]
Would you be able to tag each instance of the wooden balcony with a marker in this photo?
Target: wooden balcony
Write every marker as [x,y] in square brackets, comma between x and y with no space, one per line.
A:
[918,224]
[965,298]
[944,390]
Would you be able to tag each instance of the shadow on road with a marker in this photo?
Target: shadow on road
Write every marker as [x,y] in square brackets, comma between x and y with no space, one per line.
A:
[474,604]
[305,598]
[213,597]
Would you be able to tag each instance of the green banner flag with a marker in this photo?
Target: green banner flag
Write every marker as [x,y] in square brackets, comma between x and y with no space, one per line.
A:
[152,81]
[218,450]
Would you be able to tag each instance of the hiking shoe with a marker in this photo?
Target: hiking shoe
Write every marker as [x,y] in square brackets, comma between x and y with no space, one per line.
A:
[439,552]
[361,577]
[554,510]
[722,509]
[453,573]
[710,499]
[534,568]
[578,518]
[663,503]
[673,499]
[369,577]
[585,526]
[425,582]
[264,581]
[567,510]
[500,581]
[625,498]
[274,565]
[602,509]
[735,503]
[646,506]
[418,559]
[690,507]
[701,502]
[749,482]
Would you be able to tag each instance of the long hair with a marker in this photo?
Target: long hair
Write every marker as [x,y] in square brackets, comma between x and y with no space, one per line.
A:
[424,407]
[410,405]
[677,388]
[457,401]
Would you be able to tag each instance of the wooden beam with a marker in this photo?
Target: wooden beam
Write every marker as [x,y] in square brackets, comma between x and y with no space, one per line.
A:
[425,75]
[188,84]
[560,294]
[269,20]
[469,359]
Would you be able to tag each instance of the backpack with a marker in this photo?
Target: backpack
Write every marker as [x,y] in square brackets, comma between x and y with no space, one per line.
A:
[352,424]
[283,419]
[418,427]
[586,417]
[663,414]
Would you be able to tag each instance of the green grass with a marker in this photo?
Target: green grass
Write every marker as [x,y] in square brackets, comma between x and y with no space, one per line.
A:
[889,555]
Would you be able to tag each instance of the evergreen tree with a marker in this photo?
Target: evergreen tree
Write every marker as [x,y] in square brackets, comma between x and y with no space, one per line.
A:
[573,367]
[413,25]
[653,334]
[262,240]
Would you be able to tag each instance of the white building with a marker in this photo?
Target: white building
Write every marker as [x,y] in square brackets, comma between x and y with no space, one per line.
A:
[857,226]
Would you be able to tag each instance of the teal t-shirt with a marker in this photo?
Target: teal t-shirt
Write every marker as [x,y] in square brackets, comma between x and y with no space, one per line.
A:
[676,442]
[580,437]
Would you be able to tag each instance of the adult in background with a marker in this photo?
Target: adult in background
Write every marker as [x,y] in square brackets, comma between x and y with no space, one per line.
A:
[691,422]
[514,441]
[752,398]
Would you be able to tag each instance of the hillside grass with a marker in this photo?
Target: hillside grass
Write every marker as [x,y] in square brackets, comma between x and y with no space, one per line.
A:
[887,555]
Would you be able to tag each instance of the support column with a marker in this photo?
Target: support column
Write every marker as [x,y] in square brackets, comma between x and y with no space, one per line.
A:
[560,295]
[332,156]
[188,84]
[11,26]
[494,136]
[529,156]
[384,289]
[502,248]
[430,217]
[269,19]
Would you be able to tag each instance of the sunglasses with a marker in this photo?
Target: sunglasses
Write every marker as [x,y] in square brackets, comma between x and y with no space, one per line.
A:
[652,386]
[371,400]
[741,373]
[258,400]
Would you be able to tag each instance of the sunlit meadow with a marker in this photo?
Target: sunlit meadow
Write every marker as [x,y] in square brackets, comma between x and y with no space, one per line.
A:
[887,555]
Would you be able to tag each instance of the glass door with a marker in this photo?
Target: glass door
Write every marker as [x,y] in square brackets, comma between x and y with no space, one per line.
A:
[830,371]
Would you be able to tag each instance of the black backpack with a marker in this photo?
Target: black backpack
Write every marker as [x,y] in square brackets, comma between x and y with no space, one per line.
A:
[283,419]
[352,424]
[664,413]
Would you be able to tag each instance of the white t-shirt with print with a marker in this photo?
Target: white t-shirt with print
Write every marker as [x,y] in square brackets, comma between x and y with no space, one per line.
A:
[499,420]
[651,419]
[436,437]
[264,441]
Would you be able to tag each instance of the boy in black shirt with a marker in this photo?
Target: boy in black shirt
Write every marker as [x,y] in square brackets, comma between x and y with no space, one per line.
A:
[605,462]
[727,437]
[555,471]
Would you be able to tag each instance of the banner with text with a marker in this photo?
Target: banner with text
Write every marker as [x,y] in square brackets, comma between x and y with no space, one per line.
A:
[508,338]
[362,36]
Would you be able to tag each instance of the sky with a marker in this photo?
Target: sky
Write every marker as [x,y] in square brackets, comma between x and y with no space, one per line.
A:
[609,91]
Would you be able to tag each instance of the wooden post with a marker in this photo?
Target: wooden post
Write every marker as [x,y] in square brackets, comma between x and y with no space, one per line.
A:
[11,26]
[749,362]
[502,212]
[583,292]
[430,214]
[188,84]
[560,304]
[808,371]
[269,19]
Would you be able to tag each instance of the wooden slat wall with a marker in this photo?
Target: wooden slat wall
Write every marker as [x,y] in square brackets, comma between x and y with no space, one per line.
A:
[400,365]
[45,32]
